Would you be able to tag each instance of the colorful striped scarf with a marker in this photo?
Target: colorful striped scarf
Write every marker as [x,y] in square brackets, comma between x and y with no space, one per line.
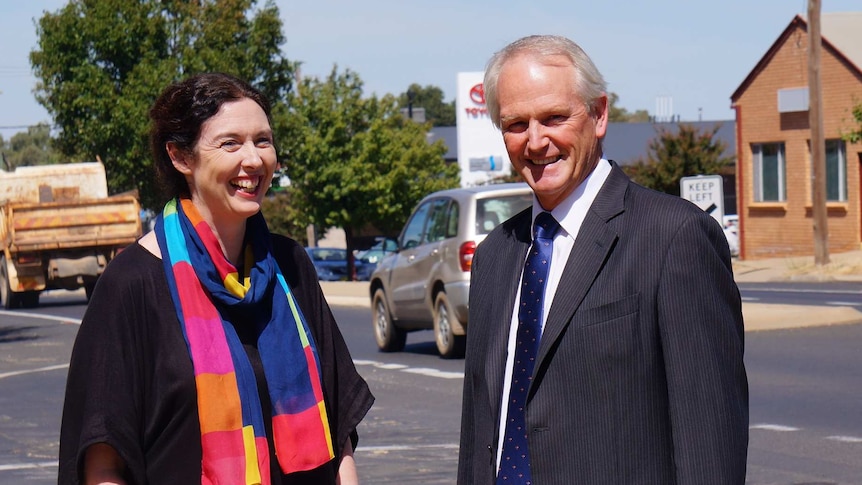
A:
[203,285]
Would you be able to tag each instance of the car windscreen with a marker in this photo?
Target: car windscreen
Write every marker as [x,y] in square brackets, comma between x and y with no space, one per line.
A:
[491,211]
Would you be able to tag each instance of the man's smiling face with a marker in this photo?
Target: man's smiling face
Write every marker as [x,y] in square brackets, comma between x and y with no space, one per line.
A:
[552,138]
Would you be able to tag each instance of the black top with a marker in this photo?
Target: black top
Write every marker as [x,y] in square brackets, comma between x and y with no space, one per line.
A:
[131,382]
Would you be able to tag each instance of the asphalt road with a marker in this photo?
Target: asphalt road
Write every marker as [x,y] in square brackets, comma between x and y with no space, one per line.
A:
[805,401]
[799,293]
[805,397]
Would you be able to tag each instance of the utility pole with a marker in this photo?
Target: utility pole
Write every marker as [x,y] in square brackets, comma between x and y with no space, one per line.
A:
[818,144]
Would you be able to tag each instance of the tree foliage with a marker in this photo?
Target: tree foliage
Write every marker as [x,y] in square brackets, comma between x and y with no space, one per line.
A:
[677,154]
[437,111]
[101,64]
[618,114]
[855,136]
[282,215]
[31,147]
[356,162]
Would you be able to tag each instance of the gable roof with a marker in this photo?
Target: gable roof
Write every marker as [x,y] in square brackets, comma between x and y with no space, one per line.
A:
[840,34]
[449,135]
[625,143]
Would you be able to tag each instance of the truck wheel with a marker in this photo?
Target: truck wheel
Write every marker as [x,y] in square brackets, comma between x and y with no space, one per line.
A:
[29,299]
[389,337]
[10,299]
[449,345]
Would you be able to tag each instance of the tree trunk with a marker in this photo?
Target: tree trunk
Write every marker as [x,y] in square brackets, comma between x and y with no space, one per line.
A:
[351,261]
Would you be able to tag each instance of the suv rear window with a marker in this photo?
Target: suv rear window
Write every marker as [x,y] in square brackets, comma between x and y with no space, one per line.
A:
[492,211]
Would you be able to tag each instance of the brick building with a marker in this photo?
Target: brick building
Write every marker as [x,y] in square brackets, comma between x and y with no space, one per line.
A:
[774,193]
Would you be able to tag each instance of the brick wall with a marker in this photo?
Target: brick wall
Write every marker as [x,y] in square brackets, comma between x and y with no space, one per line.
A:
[785,229]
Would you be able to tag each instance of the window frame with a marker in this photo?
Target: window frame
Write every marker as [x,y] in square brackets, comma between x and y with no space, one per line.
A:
[420,217]
[758,171]
[438,218]
[840,170]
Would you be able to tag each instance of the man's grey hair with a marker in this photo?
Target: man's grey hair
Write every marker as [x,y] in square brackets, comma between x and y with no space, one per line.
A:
[589,81]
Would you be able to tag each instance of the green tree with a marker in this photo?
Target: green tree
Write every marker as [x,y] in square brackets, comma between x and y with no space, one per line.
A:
[282,216]
[855,136]
[356,162]
[437,111]
[677,154]
[31,147]
[619,114]
[101,64]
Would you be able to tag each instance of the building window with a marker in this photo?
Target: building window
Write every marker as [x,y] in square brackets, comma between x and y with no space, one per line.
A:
[768,172]
[836,171]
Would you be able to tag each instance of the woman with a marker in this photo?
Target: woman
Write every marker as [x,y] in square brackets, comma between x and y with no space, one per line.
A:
[208,353]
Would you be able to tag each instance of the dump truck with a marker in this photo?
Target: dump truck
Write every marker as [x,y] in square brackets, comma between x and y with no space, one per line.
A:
[59,229]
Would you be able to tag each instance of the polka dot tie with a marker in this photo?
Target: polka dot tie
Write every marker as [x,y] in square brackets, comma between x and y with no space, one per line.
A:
[515,458]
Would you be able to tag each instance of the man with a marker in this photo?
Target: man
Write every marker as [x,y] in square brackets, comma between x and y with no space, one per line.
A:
[636,372]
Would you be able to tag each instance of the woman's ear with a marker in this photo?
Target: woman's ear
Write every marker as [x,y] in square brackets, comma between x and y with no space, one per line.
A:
[179,157]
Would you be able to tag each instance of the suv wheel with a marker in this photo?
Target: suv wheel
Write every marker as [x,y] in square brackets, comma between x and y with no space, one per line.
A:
[389,337]
[449,345]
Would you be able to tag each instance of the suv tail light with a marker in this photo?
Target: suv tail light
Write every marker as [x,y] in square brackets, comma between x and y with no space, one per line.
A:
[465,255]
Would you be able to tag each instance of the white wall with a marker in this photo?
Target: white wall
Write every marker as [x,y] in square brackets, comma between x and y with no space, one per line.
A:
[481,152]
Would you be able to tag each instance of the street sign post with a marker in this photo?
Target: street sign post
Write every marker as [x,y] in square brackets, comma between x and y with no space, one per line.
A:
[705,191]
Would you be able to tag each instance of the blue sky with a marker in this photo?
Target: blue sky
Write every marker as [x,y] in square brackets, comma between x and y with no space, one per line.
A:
[697,53]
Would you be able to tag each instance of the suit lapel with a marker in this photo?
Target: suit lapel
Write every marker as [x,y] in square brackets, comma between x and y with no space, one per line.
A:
[508,262]
[593,246]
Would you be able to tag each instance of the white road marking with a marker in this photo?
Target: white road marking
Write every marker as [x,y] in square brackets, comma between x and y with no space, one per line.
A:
[844,303]
[446,446]
[435,373]
[31,371]
[773,427]
[425,371]
[27,466]
[41,316]
[750,298]
[807,290]
[379,365]
[845,439]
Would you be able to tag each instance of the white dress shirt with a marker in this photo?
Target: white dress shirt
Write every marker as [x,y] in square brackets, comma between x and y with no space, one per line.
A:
[570,213]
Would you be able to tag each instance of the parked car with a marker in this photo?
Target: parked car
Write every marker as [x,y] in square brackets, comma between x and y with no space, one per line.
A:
[368,259]
[731,232]
[330,263]
[426,282]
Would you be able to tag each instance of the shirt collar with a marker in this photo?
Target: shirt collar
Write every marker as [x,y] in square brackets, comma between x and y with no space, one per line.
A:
[570,213]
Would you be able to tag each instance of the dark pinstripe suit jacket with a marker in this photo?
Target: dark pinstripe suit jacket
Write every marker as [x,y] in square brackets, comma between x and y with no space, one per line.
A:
[640,377]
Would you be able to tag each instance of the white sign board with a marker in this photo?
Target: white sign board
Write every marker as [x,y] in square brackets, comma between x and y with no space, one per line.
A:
[481,152]
[705,191]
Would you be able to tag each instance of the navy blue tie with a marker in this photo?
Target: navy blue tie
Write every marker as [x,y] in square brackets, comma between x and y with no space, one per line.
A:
[515,457]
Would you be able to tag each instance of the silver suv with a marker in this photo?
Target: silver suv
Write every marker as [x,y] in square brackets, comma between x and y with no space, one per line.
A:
[425,283]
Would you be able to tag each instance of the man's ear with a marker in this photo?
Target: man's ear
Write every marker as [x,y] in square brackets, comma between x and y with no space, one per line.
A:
[601,113]
[179,157]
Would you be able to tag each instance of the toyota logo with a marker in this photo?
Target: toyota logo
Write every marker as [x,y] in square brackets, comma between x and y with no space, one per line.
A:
[477,94]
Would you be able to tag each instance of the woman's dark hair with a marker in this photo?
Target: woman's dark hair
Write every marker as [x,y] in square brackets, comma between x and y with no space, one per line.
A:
[179,113]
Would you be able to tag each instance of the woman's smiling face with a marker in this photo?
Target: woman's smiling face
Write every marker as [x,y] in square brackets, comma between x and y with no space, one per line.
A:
[233,163]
